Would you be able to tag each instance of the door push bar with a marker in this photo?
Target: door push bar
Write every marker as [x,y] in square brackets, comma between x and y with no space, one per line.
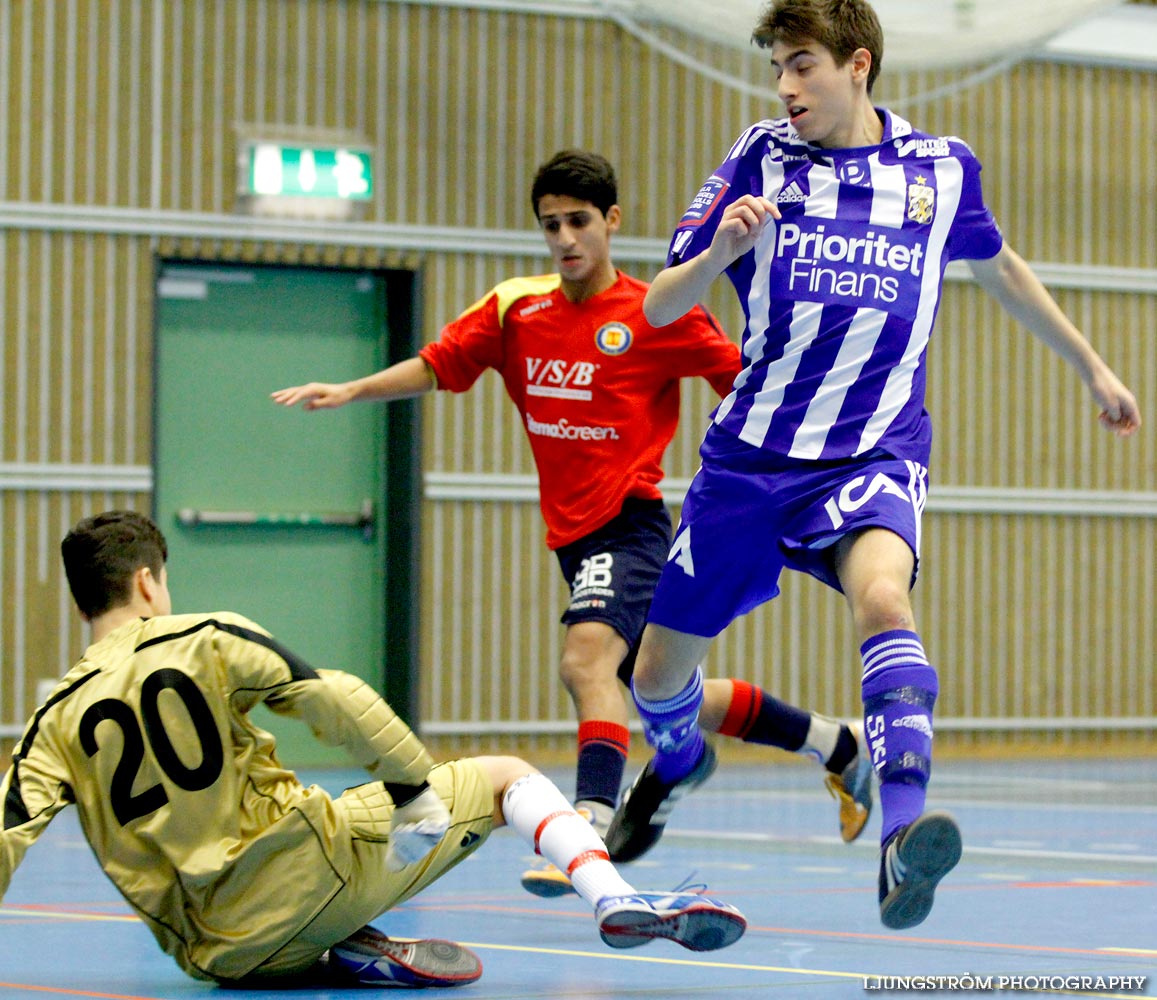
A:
[363,519]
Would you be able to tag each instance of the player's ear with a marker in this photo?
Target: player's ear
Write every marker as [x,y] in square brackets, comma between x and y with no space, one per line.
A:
[614,218]
[145,584]
[861,64]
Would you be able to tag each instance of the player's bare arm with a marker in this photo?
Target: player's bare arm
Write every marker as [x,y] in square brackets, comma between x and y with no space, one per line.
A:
[1009,279]
[404,380]
[677,290]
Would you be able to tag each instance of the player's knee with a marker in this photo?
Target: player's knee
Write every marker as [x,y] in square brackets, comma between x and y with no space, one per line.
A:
[504,770]
[580,675]
[881,606]
[504,773]
[591,657]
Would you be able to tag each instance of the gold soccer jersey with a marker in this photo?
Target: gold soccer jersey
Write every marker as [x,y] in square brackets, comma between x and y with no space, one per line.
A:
[222,852]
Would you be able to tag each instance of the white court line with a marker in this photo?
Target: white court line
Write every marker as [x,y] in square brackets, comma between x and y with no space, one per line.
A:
[741,837]
[1003,806]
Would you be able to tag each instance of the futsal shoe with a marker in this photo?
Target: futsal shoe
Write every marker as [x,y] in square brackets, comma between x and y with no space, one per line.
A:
[546,882]
[642,815]
[369,958]
[549,882]
[696,922]
[852,788]
[914,860]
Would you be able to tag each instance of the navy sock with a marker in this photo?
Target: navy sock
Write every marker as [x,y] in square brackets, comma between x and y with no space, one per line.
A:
[899,691]
[845,751]
[602,757]
[754,716]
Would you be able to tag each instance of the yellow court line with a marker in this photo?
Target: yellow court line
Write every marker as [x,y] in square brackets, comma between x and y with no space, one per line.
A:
[829,973]
[613,956]
[662,961]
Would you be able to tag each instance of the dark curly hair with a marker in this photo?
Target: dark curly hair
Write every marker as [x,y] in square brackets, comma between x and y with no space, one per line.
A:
[102,553]
[576,173]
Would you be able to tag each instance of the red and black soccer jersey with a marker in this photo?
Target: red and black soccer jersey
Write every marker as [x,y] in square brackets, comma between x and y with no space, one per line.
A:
[597,387]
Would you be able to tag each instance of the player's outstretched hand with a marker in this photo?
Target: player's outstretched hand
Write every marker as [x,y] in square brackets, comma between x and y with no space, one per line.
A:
[416,829]
[1119,410]
[315,395]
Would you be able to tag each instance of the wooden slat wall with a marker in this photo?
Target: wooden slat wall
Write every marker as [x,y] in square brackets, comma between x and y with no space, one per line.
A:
[132,105]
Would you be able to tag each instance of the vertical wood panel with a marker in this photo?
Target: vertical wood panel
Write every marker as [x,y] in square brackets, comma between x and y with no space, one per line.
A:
[132,104]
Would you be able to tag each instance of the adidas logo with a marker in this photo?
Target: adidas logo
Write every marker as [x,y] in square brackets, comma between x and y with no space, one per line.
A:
[791,195]
[894,868]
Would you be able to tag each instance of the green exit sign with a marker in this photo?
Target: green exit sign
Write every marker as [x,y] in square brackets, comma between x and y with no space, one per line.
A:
[276,170]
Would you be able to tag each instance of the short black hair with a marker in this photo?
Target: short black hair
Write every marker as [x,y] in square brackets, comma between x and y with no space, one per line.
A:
[840,26]
[576,173]
[103,552]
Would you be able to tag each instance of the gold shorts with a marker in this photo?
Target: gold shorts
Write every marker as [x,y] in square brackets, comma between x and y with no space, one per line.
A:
[372,888]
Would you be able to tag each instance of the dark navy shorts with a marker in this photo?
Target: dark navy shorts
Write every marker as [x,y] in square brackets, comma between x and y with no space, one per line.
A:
[749,514]
[612,572]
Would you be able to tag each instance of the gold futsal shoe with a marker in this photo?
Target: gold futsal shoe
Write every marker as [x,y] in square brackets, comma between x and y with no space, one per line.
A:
[546,881]
[852,788]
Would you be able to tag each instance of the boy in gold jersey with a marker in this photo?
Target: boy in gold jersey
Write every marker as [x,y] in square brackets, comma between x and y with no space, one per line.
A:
[240,871]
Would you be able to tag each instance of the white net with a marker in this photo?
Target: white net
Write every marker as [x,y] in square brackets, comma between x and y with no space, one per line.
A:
[918,34]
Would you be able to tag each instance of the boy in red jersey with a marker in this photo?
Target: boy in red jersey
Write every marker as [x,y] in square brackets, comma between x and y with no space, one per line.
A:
[598,389]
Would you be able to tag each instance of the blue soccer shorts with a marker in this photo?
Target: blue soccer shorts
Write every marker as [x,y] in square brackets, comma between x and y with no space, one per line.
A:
[748,515]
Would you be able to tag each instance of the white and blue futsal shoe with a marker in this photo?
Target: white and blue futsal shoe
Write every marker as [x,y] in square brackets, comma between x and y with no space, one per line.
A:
[370,958]
[696,922]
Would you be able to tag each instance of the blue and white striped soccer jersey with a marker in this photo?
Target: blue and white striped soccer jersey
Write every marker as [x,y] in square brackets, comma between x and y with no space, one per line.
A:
[840,294]
[825,431]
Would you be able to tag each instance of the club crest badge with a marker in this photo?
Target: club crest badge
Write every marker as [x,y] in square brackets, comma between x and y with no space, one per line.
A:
[921,202]
[613,338]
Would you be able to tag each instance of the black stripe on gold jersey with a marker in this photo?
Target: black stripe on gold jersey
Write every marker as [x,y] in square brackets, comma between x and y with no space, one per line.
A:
[299,670]
[15,811]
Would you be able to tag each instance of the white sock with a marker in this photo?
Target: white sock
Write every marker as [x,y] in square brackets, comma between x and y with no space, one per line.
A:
[543,817]
[822,736]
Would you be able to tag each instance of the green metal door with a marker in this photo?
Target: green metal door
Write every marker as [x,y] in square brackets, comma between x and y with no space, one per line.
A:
[274,513]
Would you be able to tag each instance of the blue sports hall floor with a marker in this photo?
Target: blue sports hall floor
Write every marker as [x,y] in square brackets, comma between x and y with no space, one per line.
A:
[1058,881]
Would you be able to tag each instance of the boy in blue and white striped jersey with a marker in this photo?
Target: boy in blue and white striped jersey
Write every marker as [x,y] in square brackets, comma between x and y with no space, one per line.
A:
[835,226]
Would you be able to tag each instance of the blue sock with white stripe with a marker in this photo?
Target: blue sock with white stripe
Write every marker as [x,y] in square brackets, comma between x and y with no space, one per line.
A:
[672,728]
[899,690]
